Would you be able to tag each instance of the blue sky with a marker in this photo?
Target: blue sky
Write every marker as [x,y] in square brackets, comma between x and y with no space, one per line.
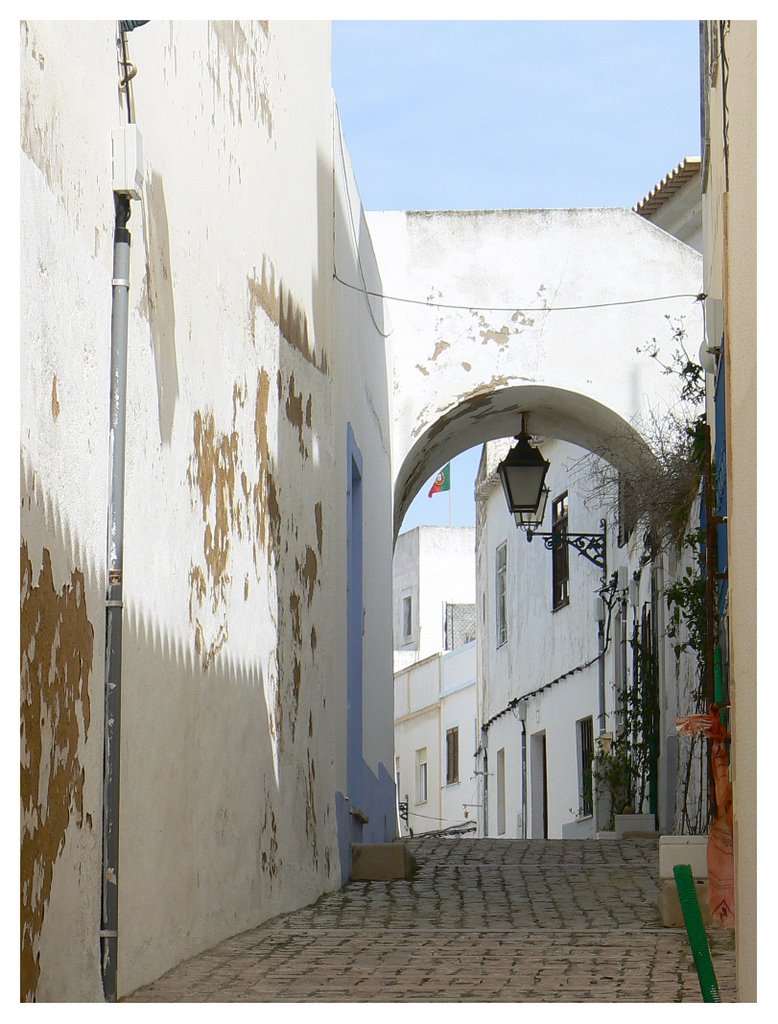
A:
[512,114]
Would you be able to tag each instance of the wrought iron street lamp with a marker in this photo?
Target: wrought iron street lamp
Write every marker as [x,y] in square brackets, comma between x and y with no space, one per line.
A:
[523,473]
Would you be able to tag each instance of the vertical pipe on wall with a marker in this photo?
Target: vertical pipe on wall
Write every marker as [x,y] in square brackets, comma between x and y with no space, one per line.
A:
[600,612]
[485,777]
[109,909]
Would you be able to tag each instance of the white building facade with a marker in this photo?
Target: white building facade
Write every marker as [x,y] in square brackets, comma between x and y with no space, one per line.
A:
[570,651]
[433,591]
[435,735]
[436,739]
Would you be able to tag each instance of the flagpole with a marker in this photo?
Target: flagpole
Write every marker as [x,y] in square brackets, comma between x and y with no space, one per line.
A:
[449,503]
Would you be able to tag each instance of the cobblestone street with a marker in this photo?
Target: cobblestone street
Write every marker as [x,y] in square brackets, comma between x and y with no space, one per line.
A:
[481,920]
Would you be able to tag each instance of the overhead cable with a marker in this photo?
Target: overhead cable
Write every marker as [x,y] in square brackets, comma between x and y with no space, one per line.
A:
[523,309]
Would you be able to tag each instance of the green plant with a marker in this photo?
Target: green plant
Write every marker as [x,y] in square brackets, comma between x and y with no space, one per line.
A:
[613,771]
[625,771]
[687,628]
[681,364]
[688,623]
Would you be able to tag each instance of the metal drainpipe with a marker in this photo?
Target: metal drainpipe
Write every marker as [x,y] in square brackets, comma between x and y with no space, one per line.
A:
[485,766]
[109,910]
[623,643]
[601,669]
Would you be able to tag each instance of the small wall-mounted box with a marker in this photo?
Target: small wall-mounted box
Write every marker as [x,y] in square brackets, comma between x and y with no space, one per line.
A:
[127,161]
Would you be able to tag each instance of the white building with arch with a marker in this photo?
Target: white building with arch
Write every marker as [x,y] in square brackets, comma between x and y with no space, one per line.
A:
[296,370]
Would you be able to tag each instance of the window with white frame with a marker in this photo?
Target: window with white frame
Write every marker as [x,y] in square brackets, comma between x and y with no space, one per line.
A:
[421,776]
[501,564]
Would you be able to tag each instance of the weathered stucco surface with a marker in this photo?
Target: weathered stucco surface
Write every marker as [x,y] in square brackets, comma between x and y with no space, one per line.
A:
[527,314]
[56,639]
[245,368]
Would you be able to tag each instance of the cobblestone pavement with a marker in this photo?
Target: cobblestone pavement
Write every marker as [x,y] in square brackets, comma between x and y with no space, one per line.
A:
[481,920]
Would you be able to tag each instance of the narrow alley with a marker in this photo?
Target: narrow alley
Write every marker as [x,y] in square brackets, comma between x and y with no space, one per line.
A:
[481,920]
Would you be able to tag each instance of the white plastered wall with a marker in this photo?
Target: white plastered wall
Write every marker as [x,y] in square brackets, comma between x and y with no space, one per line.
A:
[243,358]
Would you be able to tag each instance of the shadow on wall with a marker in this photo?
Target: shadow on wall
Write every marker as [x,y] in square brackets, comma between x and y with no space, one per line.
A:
[368,413]
[203,816]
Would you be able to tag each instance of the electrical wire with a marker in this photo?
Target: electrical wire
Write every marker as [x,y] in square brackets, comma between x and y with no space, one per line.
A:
[513,704]
[128,72]
[429,817]
[723,32]
[523,309]
[699,297]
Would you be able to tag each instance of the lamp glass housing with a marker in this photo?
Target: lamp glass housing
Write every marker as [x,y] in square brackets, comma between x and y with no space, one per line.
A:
[533,520]
[523,473]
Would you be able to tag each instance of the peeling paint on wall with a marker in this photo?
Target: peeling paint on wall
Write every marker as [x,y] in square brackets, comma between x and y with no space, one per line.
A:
[319,526]
[40,139]
[269,860]
[213,468]
[501,337]
[54,398]
[309,573]
[294,605]
[265,497]
[238,499]
[236,64]
[271,296]
[441,346]
[211,473]
[294,413]
[56,659]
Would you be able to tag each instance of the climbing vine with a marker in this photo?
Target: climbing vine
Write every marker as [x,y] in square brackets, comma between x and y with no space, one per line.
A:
[688,623]
[626,770]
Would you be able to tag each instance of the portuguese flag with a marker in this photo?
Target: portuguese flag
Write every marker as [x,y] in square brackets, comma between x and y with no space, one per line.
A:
[442,481]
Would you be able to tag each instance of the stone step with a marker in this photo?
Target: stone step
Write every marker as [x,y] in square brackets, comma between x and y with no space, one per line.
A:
[378,862]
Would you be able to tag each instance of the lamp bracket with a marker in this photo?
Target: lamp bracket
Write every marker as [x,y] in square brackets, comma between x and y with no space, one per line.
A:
[590,545]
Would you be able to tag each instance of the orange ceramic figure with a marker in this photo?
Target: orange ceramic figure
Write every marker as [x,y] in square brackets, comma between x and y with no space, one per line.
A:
[721,867]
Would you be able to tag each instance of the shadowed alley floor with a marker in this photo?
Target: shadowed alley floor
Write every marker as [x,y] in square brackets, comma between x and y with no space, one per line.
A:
[482,920]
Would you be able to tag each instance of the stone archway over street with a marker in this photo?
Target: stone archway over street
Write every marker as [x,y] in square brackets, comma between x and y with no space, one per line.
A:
[494,313]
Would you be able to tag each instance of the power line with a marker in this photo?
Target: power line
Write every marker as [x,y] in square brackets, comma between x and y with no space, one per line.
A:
[523,309]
